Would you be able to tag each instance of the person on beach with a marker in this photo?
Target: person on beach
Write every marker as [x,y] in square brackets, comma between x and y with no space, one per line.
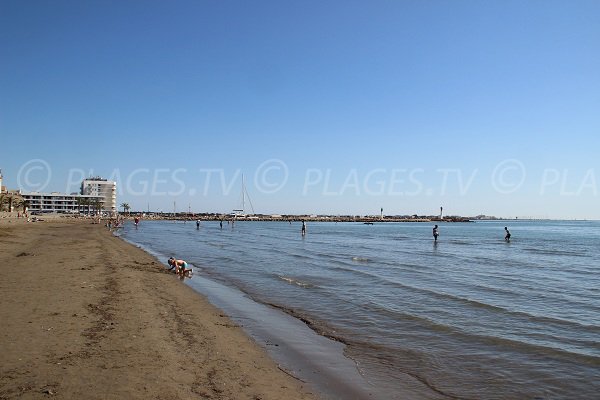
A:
[180,266]
[303,227]
[507,237]
[436,233]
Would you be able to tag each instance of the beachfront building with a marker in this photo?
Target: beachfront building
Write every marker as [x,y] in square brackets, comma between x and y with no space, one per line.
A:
[98,196]
[103,188]
[62,203]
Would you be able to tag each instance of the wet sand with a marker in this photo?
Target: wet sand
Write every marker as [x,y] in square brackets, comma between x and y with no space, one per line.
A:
[85,315]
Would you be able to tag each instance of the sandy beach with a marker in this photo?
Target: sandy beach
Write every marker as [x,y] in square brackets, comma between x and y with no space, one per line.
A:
[86,315]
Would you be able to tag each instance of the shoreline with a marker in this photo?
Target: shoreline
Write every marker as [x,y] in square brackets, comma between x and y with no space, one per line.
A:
[87,314]
[334,378]
[311,356]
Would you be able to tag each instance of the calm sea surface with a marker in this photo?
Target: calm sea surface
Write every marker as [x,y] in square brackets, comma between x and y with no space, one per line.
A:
[471,317]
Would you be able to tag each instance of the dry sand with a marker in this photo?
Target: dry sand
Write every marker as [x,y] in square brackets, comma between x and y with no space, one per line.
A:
[85,315]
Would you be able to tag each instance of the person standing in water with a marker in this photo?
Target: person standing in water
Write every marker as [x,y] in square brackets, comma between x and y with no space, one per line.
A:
[221,224]
[507,237]
[197,224]
[436,233]
[303,227]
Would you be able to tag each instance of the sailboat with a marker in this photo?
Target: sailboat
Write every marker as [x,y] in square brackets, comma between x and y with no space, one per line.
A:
[241,212]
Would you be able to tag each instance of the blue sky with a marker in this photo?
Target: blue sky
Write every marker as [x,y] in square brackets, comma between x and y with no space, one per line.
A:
[337,107]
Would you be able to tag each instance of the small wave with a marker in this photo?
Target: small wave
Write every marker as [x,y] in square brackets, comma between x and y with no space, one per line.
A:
[555,252]
[461,242]
[466,301]
[539,349]
[317,326]
[301,256]
[531,343]
[296,282]
[402,237]
[360,259]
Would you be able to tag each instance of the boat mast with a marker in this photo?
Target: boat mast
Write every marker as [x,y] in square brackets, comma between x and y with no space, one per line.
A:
[243,195]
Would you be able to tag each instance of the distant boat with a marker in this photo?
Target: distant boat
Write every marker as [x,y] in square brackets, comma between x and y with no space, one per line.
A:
[241,212]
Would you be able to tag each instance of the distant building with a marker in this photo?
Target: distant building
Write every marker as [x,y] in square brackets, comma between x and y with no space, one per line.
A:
[97,195]
[103,188]
[62,203]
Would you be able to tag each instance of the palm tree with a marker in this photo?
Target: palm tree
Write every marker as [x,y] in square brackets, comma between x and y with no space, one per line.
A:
[97,205]
[85,202]
[14,200]
[79,204]
[10,199]
[125,207]
[25,204]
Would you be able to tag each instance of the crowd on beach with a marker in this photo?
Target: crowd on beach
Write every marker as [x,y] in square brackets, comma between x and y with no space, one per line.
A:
[24,216]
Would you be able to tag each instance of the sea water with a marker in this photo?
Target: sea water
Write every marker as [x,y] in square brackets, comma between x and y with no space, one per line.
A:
[468,317]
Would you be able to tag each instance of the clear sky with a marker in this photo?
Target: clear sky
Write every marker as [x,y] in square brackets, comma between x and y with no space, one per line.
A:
[338,107]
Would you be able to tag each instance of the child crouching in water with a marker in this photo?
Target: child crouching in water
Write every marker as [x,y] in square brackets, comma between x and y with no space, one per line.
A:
[180,266]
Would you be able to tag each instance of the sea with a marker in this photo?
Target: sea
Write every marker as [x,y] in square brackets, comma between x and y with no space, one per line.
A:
[470,316]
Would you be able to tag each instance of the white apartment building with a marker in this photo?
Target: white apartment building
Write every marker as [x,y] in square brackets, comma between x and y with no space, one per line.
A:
[62,203]
[103,188]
